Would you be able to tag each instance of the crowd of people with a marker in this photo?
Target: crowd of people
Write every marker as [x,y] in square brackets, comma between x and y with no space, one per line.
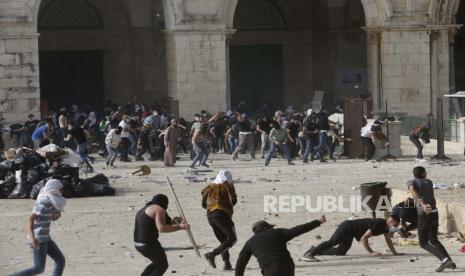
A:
[136,132]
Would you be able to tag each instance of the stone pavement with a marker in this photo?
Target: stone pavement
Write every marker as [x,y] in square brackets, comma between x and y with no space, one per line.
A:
[95,234]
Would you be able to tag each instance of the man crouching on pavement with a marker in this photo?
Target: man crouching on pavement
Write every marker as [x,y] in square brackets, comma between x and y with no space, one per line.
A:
[361,230]
[219,198]
[268,245]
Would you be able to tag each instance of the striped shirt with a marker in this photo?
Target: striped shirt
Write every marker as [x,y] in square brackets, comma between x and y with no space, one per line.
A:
[44,211]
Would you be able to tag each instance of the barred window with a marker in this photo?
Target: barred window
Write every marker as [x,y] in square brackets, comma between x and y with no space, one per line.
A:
[69,14]
[258,15]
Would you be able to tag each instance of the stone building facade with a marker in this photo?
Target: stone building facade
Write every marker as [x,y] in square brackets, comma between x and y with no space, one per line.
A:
[214,54]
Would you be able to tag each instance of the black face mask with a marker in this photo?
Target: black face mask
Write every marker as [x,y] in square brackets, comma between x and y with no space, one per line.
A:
[160,200]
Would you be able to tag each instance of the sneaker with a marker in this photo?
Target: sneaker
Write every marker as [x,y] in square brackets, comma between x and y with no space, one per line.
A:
[312,158]
[444,264]
[452,266]
[290,163]
[305,161]
[113,166]
[308,257]
[89,170]
[227,265]
[423,160]
[267,163]
[211,259]
[139,159]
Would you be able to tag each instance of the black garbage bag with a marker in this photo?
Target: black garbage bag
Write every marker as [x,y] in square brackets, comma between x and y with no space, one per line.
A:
[102,190]
[26,160]
[94,186]
[5,168]
[7,187]
[82,188]
[28,179]
[68,187]
[64,171]
[36,189]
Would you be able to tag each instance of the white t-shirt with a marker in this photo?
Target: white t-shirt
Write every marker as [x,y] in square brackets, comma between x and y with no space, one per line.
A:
[366,131]
[124,133]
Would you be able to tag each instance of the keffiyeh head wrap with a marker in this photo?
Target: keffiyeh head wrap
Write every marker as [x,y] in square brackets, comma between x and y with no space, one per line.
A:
[51,193]
[222,177]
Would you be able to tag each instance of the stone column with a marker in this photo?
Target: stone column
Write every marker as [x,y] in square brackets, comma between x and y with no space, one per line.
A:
[434,37]
[197,70]
[19,73]
[405,61]
[373,56]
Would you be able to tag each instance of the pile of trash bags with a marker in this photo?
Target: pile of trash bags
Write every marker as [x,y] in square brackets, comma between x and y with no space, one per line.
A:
[25,172]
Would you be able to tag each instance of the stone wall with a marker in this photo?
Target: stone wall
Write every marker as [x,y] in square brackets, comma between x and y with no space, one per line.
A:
[405,61]
[197,71]
[19,74]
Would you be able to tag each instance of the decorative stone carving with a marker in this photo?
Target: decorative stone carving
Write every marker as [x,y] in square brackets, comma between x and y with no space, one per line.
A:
[258,14]
[69,14]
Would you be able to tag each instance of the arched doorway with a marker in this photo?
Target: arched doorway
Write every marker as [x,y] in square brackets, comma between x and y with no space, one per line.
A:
[297,52]
[95,51]
[70,72]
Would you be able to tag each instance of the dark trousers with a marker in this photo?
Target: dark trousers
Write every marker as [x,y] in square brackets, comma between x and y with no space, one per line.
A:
[418,145]
[155,253]
[223,227]
[341,237]
[370,147]
[279,269]
[428,235]
[124,148]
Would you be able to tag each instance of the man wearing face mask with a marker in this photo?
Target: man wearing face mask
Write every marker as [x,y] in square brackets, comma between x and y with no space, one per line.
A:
[171,142]
[219,199]
[112,142]
[48,207]
[361,230]
[151,220]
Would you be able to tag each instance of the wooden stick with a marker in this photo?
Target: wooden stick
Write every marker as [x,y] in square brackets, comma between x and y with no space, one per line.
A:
[181,213]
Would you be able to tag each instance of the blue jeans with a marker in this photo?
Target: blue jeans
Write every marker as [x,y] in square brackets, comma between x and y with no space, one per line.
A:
[39,256]
[324,140]
[283,147]
[112,154]
[81,151]
[201,153]
[265,143]
[312,142]
[233,142]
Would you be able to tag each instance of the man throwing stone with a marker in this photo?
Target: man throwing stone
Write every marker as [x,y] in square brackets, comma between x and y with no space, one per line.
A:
[150,220]
[268,245]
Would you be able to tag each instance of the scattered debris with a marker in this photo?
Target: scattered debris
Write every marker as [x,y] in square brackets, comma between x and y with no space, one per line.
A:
[440,186]
[318,237]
